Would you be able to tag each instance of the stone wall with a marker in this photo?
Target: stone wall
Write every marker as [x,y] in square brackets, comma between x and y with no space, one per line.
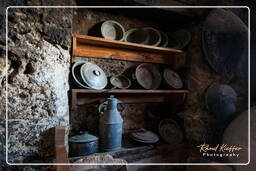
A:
[39,45]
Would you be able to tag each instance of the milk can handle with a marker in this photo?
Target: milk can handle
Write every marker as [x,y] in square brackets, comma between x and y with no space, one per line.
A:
[101,106]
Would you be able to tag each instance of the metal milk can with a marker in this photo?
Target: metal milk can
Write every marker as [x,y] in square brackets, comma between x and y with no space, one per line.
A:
[110,125]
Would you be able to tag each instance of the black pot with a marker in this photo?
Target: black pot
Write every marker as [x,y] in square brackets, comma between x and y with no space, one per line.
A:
[82,145]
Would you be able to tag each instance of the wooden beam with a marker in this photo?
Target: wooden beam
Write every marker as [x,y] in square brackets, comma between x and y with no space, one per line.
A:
[60,149]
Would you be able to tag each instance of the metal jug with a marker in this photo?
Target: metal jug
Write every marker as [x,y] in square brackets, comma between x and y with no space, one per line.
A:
[110,125]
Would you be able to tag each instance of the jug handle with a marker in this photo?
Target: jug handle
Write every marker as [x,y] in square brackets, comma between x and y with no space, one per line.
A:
[120,107]
[101,106]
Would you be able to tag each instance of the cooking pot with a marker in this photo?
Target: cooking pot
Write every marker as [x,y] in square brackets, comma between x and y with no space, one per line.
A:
[89,75]
[76,74]
[93,76]
[83,144]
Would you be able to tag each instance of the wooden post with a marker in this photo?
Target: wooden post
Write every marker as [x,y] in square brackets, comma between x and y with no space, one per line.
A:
[60,149]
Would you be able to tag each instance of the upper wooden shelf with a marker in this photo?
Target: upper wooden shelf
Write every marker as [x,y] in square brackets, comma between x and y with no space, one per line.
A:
[128,91]
[95,47]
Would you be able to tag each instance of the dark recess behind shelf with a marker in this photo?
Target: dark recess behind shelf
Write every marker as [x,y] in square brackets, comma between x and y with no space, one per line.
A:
[169,19]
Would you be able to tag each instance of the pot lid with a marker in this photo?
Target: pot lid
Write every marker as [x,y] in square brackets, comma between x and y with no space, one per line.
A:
[221,100]
[148,76]
[93,76]
[225,43]
[85,137]
[145,136]
[170,131]
[172,78]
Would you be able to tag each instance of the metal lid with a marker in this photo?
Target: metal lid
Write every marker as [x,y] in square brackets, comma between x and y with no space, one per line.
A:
[172,79]
[170,131]
[93,76]
[144,136]
[85,137]
[225,43]
[220,100]
[148,76]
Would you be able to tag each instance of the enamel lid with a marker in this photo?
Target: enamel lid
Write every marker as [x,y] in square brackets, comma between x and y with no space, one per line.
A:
[93,76]
[85,137]
[172,78]
[145,136]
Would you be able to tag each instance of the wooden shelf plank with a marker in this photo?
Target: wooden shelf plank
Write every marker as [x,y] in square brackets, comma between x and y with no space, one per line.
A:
[86,96]
[119,44]
[88,46]
[130,91]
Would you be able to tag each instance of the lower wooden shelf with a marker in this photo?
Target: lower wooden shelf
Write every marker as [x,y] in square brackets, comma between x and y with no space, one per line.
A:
[86,96]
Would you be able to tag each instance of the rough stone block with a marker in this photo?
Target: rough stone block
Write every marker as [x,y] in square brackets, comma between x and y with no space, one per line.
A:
[31,140]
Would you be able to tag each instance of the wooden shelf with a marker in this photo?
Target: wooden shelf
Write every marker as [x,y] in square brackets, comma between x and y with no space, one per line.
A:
[94,47]
[86,96]
[129,91]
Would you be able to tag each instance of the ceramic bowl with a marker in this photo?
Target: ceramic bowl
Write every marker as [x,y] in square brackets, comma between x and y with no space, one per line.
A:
[112,30]
[120,81]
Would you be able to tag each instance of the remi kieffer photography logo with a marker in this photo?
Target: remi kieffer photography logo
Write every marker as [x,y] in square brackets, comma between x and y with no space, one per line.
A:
[220,150]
